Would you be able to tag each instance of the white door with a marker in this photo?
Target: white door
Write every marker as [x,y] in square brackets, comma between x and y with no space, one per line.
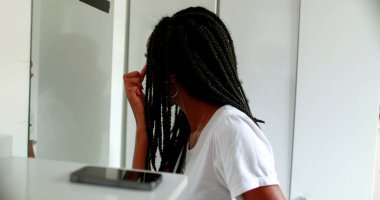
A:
[337,100]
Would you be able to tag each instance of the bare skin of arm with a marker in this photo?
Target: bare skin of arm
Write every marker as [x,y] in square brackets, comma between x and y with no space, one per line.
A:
[271,192]
[30,149]
[134,90]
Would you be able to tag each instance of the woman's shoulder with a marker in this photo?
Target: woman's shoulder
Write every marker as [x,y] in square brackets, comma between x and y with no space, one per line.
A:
[236,132]
[228,115]
[231,124]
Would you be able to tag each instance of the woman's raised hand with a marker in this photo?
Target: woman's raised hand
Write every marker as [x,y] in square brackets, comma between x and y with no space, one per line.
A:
[133,86]
[134,89]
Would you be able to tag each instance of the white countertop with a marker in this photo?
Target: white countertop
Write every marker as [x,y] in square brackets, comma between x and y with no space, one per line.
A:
[36,179]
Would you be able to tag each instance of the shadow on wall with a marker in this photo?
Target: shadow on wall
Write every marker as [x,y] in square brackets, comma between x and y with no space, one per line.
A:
[72,93]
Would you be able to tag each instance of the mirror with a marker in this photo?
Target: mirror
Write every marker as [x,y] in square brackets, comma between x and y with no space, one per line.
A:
[71,80]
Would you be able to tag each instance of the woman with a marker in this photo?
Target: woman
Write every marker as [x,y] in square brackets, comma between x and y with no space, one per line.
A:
[195,114]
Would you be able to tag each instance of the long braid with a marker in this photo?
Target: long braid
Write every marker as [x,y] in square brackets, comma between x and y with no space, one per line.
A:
[166,108]
[216,27]
[206,77]
[153,102]
[229,47]
[196,47]
[223,92]
[216,21]
[216,50]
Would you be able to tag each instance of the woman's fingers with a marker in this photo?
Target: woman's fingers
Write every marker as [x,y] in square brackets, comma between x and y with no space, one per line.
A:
[133,82]
[143,72]
[129,82]
[133,79]
[134,90]
[133,74]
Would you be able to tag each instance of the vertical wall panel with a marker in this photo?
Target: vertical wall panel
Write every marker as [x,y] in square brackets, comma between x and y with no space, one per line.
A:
[265,35]
[117,110]
[337,100]
[15,39]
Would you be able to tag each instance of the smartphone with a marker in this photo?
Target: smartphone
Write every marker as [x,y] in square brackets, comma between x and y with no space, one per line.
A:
[116,177]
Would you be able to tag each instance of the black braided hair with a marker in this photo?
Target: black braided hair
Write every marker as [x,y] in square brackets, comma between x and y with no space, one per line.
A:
[195,46]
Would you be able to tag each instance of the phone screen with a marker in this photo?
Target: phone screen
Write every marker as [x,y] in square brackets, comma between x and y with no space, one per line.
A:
[116,177]
[119,175]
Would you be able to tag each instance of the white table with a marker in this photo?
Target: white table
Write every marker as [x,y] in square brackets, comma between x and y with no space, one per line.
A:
[36,179]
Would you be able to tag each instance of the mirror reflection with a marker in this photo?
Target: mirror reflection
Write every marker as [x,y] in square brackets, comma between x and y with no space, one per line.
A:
[70,81]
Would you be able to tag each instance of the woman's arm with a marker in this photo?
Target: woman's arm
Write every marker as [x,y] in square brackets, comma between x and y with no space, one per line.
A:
[31,149]
[271,192]
[133,86]
[141,146]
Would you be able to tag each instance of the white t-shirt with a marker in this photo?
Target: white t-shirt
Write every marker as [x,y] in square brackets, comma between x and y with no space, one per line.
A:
[232,156]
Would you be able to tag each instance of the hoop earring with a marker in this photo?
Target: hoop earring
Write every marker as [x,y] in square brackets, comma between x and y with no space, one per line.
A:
[176,93]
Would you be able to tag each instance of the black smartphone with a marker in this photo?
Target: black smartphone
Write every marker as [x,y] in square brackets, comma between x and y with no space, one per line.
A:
[116,177]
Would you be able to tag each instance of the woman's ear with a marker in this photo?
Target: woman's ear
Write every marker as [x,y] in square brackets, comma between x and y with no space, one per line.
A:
[175,86]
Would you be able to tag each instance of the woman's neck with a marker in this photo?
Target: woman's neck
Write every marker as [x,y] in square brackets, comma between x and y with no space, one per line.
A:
[198,113]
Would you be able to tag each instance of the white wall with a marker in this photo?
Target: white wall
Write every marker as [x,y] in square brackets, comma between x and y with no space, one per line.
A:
[5,145]
[337,100]
[376,187]
[15,23]
[265,35]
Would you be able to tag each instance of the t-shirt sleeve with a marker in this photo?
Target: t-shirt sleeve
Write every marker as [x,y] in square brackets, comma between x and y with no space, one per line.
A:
[243,156]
